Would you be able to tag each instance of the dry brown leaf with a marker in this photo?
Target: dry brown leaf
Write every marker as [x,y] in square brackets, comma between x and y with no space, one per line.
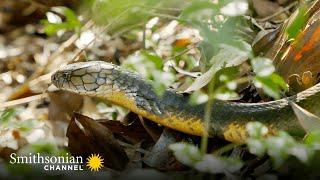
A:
[265,8]
[87,136]
[63,104]
[302,55]
[133,132]
[161,156]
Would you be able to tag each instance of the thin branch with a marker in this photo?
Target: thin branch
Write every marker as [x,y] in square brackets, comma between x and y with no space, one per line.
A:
[23,100]
[278,12]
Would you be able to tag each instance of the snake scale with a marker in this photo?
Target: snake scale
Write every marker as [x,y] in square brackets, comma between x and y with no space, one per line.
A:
[228,120]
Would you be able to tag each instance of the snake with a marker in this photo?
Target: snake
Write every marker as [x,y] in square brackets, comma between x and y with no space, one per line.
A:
[173,110]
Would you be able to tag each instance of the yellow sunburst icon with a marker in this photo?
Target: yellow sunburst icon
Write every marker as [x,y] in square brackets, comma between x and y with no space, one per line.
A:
[94,162]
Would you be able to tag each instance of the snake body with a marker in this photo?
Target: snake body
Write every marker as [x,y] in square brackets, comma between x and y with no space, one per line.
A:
[228,119]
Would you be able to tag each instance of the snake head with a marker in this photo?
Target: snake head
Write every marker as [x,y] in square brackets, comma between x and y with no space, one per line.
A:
[109,82]
[84,77]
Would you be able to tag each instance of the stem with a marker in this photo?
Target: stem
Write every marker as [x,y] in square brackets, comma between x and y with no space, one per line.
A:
[207,116]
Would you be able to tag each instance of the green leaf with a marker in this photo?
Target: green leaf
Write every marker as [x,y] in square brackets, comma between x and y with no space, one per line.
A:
[71,21]
[308,121]
[227,74]
[297,23]
[190,155]
[262,66]
[158,61]
[279,146]
[302,152]
[7,115]
[257,146]
[120,14]
[313,139]
[214,164]
[27,125]
[271,85]
[199,10]
[228,56]
[198,97]
[256,130]
[71,17]
[186,153]
[150,67]
[224,93]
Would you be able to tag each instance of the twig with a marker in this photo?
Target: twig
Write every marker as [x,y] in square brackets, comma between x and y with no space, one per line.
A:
[23,100]
[278,12]
[314,8]
[144,36]
[179,70]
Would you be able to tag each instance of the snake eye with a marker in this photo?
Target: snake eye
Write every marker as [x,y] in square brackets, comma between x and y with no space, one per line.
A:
[65,75]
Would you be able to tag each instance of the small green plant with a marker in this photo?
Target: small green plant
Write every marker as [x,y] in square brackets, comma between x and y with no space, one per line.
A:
[281,146]
[190,155]
[54,22]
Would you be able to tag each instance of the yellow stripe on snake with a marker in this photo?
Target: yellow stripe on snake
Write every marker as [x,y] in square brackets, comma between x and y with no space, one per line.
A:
[112,83]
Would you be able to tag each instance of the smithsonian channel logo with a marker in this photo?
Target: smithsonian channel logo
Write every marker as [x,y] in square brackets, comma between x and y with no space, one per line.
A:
[59,163]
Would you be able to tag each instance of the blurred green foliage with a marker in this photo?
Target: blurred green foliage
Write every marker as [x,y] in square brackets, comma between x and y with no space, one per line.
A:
[281,146]
[150,66]
[7,115]
[297,23]
[8,121]
[54,22]
[122,14]
[190,155]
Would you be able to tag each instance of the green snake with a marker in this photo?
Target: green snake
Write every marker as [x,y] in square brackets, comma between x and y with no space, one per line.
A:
[228,119]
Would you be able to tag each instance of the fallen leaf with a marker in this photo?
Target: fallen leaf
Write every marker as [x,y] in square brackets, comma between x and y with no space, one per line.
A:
[63,104]
[302,55]
[160,156]
[133,132]
[265,7]
[308,121]
[86,136]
